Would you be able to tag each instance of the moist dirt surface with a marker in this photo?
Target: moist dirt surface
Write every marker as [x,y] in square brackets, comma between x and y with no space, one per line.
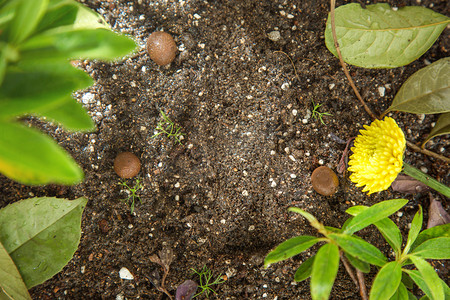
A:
[244,103]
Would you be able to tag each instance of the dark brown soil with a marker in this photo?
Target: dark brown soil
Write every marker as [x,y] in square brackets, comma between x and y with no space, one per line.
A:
[221,197]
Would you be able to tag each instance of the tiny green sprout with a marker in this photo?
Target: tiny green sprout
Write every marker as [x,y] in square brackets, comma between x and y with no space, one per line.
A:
[318,115]
[205,277]
[132,192]
[169,128]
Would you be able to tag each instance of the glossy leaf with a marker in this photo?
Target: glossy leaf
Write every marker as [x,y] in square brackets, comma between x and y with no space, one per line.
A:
[430,277]
[416,226]
[427,91]
[324,271]
[290,248]
[358,264]
[418,279]
[311,219]
[442,127]
[70,114]
[401,293]
[30,157]
[437,248]
[11,282]
[304,271]
[100,44]
[41,235]
[38,86]
[27,15]
[431,233]
[373,214]
[380,37]
[359,249]
[386,282]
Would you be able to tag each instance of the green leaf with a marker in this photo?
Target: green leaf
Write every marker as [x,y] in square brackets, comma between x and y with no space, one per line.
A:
[358,264]
[418,279]
[30,157]
[416,226]
[437,248]
[427,91]
[11,282]
[28,14]
[324,271]
[429,276]
[290,248]
[359,249]
[41,235]
[37,86]
[401,293]
[380,37]
[304,271]
[100,44]
[311,219]
[70,114]
[386,282]
[373,214]
[58,14]
[407,281]
[388,229]
[442,127]
[431,233]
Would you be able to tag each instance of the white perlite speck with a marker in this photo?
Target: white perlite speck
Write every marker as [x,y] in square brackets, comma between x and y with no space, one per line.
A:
[88,98]
[274,36]
[382,91]
[125,274]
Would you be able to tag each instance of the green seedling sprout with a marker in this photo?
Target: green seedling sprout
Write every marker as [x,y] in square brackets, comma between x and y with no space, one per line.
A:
[318,115]
[132,192]
[205,281]
[169,128]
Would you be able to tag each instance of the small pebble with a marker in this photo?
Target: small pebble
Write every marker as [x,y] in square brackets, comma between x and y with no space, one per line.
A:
[381,91]
[161,47]
[124,273]
[127,165]
[274,36]
[324,181]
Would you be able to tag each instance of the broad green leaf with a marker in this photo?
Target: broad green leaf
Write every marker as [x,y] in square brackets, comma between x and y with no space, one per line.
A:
[431,233]
[373,214]
[358,264]
[442,127]
[401,293]
[324,271]
[290,248]
[30,157]
[386,282]
[416,226]
[418,279]
[70,114]
[427,91]
[58,14]
[407,281]
[28,14]
[437,248]
[311,219]
[11,282]
[429,276]
[41,235]
[388,229]
[304,271]
[381,37]
[89,19]
[100,44]
[29,87]
[359,249]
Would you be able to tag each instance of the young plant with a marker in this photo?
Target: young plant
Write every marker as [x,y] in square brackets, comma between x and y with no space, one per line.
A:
[205,281]
[318,115]
[132,192]
[169,128]
[323,267]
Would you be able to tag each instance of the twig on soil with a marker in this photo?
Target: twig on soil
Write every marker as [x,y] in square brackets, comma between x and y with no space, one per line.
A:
[362,285]
[358,95]
[348,268]
[343,64]
[295,70]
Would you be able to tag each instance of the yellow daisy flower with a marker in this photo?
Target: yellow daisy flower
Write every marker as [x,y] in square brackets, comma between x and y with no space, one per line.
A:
[377,155]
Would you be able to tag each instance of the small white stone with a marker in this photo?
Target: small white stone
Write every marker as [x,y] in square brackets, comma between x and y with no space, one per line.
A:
[124,273]
[382,91]
[88,98]
[291,157]
[114,76]
[307,153]
[294,112]
[223,221]
[177,197]
[144,69]
[201,45]
[262,69]
[304,121]
[264,295]
[251,227]
[197,16]
[190,146]
[289,16]
[120,297]
[244,193]
[424,169]
[399,214]
[274,36]
[287,150]
[283,13]
[130,226]
[83,269]
[272,152]
[273,184]
[331,86]
[177,185]
[293,176]
[321,161]
[285,86]
[141,17]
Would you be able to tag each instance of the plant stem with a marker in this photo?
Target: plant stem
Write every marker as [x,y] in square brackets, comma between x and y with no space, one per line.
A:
[424,178]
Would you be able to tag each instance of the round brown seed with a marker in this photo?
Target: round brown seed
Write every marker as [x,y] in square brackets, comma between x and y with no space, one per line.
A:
[127,165]
[161,47]
[324,181]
